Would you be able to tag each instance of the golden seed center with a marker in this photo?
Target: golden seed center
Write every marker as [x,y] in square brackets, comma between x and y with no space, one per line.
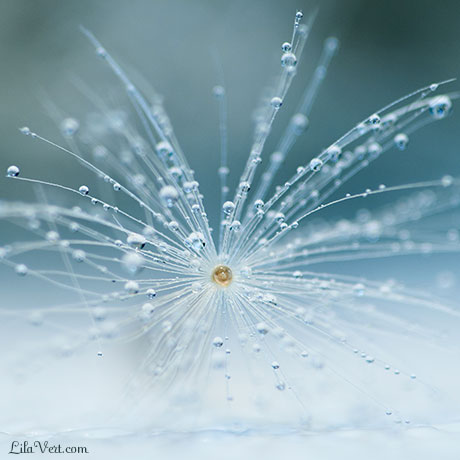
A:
[222,275]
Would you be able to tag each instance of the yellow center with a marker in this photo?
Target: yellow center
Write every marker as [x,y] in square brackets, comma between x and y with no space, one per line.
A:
[222,275]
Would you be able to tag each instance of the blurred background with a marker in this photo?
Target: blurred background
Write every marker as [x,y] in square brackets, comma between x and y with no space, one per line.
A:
[387,50]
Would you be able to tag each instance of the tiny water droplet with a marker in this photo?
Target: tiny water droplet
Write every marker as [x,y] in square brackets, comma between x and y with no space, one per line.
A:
[84,190]
[12,171]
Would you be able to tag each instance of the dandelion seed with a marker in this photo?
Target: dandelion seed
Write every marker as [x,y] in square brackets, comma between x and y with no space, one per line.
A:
[155,271]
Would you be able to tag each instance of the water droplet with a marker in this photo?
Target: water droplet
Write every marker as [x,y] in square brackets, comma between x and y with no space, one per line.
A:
[12,171]
[297,274]
[218,342]
[276,102]
[136,241]
[84,190]
[52,236]
[69,126]
[164,149]
[447,181]
[374,119]
[374,149]
[218,91]
[401,141]
[169,195]
[21,269]
[228,207]
[299,123]
[359,289]
[116,186]
[245,187]
[286,46]
[132,287]
[275,365]
[315,164]
[262,328]
[289,61]
[196,241]
[78,255]
[190,186]
[132,262]
[235,226]
[440,106]
[173,226]
[151,293]
[196,287]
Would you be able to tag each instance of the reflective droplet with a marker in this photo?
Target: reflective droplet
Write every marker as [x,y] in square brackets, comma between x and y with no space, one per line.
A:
[169,195]
[196,241]
[286,46]
[440,106]
[218,91]
[132,262]
[84,190]
[218,342]
[374,119]
[401,141]
[21,269]
[173,226]
[12,171]
[69,126]
[262,328]
[276,102]
[235,226]
[132,287]
[151,293]
[228,207]
[78,255]
[196,287]
[315,164]
[258,204]
[289,61]
[136,241]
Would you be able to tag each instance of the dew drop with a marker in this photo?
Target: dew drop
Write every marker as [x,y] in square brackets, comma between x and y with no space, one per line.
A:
[169,195]
[196,287]
[286,46]
[84,190]
[151,293]
[262,328]
[218,342]
[289,61]
[218,91]
[447,181]
[136,241]
[315,164]
[235,226]
[401,141]
[374,119]
[440,106]
[78,255]
[276,102]
[69,126]
[21,270]
[12,171]
[173,226]
[132,287]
